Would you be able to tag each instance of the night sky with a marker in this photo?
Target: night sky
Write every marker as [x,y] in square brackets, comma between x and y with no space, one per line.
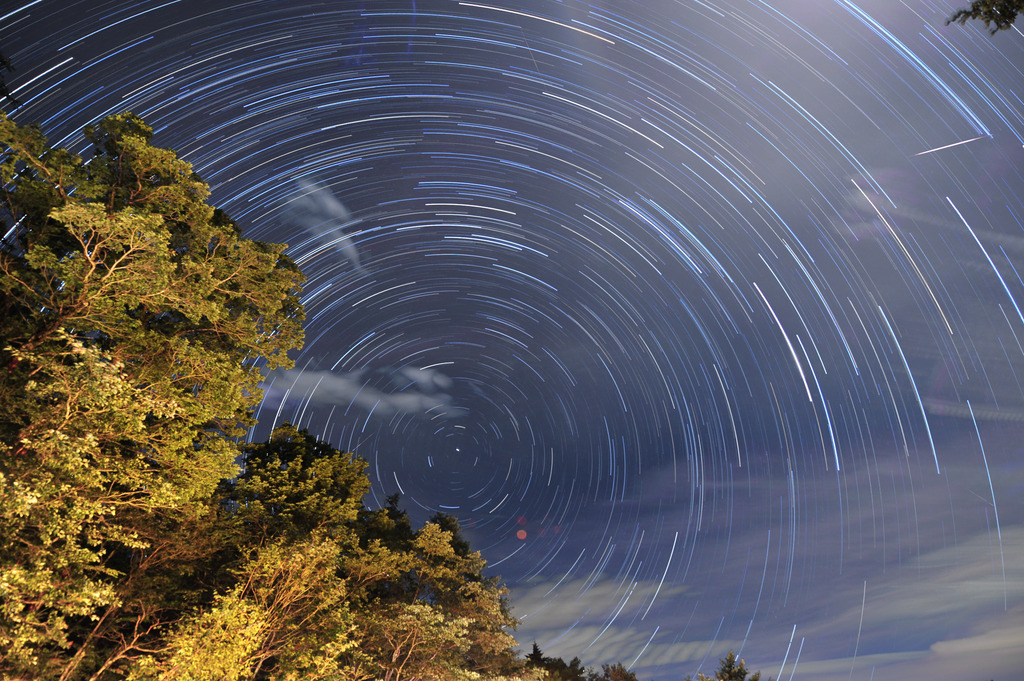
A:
[704,317]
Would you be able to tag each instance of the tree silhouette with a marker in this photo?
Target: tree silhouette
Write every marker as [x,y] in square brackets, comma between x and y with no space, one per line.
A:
[729,670]
[998,15]
[5,94]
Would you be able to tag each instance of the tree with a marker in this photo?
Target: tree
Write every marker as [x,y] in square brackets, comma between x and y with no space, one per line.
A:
[414,603]
[134,324]
[555,668]
[5,93]
[612,672]
[429,610]
[535,658]
[293,485]
[998,15]
[729,670]
[285,617]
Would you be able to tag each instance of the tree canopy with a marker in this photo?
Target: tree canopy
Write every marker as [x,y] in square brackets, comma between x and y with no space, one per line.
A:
[138,538]
[729,669]
[557,669]
[134,323]
[998,15]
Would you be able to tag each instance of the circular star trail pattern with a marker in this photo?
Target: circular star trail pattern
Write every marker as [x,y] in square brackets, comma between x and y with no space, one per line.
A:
[704,318]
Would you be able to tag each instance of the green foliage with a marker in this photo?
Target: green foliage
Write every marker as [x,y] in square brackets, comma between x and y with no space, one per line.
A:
[324,588]
[131,313]
[285,616]
[556,669]
[998,15]
[293,485]
[426,604]
[218,645]
[729,670]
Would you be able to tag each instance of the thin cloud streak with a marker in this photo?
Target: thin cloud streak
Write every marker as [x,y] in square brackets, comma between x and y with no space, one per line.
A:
[420,392]
[321,215]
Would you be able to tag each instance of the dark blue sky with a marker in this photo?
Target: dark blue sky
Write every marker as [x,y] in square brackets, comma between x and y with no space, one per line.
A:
[706,319]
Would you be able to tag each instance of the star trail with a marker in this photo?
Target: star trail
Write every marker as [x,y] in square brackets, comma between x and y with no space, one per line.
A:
[703,318]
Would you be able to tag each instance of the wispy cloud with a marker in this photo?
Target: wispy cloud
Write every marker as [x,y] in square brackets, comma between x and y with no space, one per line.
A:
[404,390]
[918,567]
[992,652]
[317,211]
[594,619]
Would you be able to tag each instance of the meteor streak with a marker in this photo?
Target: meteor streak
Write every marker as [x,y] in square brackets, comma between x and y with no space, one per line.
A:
[950,146]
